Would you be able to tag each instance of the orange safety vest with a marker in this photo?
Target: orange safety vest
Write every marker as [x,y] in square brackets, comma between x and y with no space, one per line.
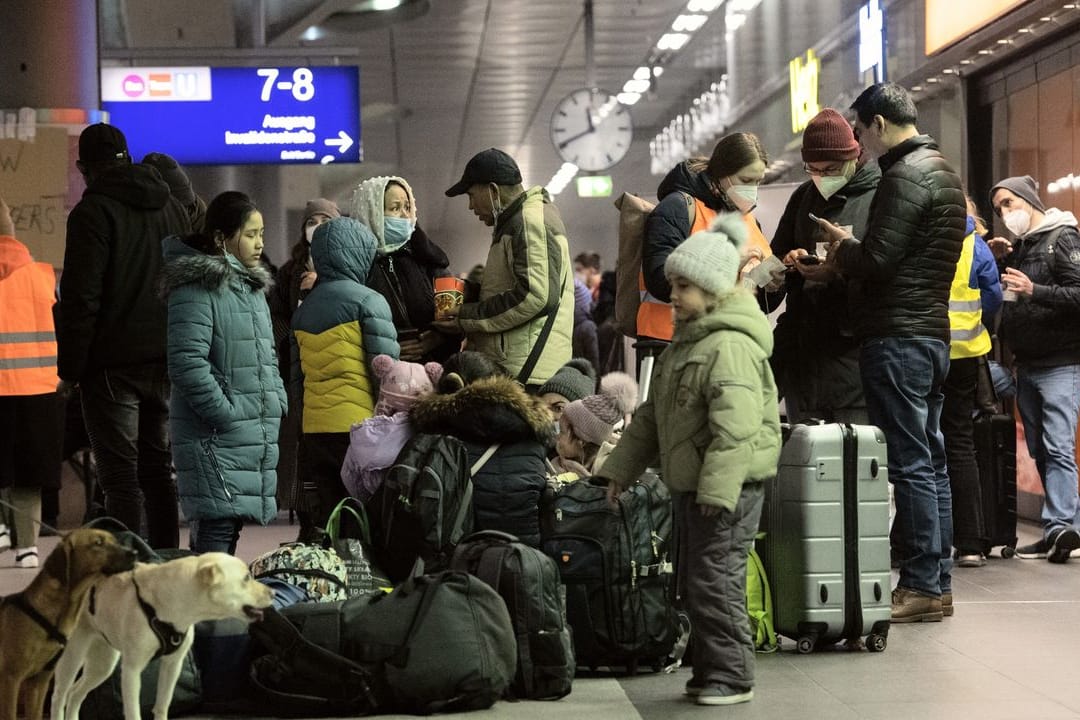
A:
[654,318]
[27,333]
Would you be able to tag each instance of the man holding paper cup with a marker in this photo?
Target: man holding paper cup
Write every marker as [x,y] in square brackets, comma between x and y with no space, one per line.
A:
[524,319]
[1040,323]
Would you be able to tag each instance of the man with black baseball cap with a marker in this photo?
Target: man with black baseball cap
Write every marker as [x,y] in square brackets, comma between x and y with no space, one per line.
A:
[524,318]
[111,328]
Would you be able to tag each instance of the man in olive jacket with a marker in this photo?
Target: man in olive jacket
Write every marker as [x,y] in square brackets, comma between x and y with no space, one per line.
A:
[527,277]
[901,272]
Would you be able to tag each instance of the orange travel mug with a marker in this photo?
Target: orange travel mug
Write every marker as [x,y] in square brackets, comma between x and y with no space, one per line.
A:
[449,294]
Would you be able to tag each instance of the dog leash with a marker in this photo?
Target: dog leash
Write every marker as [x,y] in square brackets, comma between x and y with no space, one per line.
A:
[20,511]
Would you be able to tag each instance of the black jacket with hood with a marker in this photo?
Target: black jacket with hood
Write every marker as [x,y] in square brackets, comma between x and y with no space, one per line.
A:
[109,314]
[901,270]
[1044,330]
[507,489]
[815,328]
[669,223]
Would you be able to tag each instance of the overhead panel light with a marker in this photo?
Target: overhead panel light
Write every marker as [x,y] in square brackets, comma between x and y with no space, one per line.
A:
[636,86]
[672,41]
[703,6]
[385,4]
[642,73]
[628,98]
[688,23]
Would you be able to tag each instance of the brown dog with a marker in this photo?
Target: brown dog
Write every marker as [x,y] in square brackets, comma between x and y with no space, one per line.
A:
[56,594]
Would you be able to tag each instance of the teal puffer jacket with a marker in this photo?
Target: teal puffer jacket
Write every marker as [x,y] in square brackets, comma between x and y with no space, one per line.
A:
[227,396]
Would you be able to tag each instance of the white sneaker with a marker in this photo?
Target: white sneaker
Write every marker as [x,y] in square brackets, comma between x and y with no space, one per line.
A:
[5,537]
[26,557]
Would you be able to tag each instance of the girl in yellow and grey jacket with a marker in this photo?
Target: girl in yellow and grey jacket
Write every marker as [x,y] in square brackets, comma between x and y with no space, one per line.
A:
[338,329]
[712,420]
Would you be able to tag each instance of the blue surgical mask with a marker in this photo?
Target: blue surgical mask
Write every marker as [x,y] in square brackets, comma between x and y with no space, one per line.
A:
[396,232]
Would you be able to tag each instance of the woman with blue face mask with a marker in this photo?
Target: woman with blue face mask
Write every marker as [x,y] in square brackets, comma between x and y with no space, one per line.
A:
[406,264]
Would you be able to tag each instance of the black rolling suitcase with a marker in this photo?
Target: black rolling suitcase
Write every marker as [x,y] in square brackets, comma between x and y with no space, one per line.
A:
[995,453]
[614,562]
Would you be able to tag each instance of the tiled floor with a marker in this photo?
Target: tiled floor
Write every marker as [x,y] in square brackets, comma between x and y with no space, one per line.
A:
[1011,651]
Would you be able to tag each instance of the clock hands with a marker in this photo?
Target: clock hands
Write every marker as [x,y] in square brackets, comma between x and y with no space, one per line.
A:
[591,129]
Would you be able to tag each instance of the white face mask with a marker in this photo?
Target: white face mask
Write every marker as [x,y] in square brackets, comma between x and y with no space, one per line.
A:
[743,196]
[829,185]
[1018,222]
[309,231]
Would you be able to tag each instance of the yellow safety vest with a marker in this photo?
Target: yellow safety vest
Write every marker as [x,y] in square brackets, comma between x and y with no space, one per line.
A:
[968,336]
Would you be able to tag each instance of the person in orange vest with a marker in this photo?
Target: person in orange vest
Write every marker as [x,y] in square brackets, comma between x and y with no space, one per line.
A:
[691,195]
[30,407]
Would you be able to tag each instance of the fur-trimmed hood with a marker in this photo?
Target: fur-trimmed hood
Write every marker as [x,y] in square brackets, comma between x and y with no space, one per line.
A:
[487,411]
[184,265]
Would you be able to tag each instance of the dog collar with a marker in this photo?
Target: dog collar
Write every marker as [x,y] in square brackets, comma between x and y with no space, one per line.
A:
[19,600]
[169,638]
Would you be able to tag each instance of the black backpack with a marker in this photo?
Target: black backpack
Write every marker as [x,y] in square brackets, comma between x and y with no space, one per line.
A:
[295,676]
[528,582]
[615,563]
[424,507]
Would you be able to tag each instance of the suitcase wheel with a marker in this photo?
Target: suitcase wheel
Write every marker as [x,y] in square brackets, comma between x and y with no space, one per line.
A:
[1008,551]
[805,644]
[876,643]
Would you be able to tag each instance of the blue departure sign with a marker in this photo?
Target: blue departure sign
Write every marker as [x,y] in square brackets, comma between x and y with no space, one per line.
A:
[237,115]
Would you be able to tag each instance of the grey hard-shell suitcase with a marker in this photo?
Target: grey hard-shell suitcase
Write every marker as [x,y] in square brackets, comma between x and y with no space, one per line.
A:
[826,520]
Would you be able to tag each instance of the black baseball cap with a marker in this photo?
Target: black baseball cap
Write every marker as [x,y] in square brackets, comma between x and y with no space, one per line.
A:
[102,143]
[488,166]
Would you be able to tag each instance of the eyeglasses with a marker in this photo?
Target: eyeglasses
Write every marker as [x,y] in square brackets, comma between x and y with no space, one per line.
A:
[826,172]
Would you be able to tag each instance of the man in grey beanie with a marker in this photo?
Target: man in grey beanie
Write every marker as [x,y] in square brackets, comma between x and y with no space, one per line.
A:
[1041,325]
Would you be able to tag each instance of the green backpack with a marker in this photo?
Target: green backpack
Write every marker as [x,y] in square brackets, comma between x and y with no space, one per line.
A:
[759,603]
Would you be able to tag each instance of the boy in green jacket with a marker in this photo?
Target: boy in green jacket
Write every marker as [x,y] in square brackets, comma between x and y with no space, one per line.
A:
[712,421]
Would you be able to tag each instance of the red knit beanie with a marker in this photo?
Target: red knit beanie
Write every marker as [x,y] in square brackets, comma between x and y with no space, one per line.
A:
[828,137]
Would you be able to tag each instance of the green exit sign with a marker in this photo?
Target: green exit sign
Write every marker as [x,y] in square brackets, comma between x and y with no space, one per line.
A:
[593,186]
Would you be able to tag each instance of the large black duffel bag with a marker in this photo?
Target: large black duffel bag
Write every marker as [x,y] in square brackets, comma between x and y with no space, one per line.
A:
[437,643]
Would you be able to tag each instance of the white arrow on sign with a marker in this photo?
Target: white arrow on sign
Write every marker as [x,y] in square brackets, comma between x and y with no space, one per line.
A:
[343,141]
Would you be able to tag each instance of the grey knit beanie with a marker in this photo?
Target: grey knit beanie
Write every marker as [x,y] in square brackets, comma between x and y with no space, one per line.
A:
[573,381]
[1023,187]
[593,417]
[710,258]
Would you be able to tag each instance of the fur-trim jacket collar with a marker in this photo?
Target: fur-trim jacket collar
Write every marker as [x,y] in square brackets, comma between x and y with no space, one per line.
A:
[211,272]
[493,410]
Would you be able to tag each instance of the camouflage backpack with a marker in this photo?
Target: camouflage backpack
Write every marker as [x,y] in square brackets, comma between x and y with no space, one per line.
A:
[318,570]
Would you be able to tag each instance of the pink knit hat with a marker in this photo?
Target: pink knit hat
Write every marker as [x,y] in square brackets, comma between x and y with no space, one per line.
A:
[400,382]
[595,417]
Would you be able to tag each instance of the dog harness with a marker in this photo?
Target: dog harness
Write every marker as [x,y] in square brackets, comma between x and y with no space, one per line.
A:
[19,600]
[169,638]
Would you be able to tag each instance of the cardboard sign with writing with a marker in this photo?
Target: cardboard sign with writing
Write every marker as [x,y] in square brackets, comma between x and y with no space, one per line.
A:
[34,184]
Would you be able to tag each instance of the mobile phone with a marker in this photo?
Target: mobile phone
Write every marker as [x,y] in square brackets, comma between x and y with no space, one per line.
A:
[813,217]
[808,259]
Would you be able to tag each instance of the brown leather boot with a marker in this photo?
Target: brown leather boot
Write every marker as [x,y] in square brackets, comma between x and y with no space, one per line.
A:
[910,606]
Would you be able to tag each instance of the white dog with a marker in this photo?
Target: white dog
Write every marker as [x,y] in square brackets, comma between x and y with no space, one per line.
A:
[135,616]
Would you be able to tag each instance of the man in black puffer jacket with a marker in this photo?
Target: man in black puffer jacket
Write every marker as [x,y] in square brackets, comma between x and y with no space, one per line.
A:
[901,273]
[110,328]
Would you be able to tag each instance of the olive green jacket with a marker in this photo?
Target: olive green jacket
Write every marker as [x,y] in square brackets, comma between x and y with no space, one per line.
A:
[712,416]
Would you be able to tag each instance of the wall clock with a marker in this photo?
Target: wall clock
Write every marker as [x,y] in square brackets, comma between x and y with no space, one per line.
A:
[591,129]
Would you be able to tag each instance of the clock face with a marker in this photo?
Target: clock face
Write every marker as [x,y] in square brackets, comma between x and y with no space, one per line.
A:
[591,129]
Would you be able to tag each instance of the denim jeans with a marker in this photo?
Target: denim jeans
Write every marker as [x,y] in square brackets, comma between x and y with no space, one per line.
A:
[958,427]
[127,417]
[1049,399]
[902,380]
[214,534]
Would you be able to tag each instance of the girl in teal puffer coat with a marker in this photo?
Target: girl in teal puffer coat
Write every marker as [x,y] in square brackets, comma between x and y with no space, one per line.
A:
[227,396]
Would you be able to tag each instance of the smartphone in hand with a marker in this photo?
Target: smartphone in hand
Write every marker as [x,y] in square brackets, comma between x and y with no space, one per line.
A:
[808,259]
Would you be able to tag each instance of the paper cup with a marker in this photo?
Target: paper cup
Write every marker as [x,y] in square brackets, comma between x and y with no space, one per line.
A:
[449,294]
[1008,295]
